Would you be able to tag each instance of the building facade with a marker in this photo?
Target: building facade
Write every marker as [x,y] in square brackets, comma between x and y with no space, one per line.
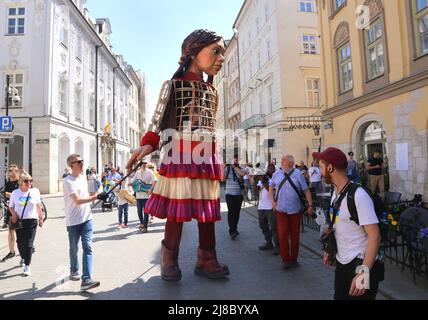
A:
[376,85]
[280,74]
[73,90]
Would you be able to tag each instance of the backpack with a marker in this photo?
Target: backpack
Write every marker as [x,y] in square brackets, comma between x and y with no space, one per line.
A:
[378,206]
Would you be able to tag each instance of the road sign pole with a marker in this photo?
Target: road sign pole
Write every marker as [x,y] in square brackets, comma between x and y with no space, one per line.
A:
[6,147]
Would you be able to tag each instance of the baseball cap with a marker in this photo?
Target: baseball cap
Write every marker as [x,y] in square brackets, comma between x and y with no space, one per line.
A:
[334,156]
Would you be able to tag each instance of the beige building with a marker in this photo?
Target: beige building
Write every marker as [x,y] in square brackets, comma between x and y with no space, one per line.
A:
[376,85]
[280,74]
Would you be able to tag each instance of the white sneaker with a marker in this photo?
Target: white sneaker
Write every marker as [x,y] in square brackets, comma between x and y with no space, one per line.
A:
[21,263]
[27,271]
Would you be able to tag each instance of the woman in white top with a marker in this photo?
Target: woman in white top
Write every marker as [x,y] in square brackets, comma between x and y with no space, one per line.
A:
[93,181]
[267,220]
[25,205]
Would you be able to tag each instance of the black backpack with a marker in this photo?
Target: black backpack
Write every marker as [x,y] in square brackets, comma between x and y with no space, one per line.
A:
[378,206]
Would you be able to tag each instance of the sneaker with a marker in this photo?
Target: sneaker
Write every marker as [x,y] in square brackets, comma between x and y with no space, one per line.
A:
[144,230]
[124,226]
[89,284]
[27,271]
[8,256]
[75,276]
[234,235]
[266,247]
[119,226]
[21,263]
[287,266]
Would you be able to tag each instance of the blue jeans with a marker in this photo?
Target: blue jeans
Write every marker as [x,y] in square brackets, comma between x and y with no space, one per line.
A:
[123,211]
[144,217]
[85,232]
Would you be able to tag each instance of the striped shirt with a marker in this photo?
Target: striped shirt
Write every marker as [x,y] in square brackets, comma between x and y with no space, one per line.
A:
[232,185]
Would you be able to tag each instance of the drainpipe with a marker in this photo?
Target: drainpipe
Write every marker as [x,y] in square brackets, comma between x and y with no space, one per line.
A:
[97,143]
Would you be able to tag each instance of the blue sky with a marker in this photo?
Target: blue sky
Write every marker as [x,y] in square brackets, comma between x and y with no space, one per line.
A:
[149,33]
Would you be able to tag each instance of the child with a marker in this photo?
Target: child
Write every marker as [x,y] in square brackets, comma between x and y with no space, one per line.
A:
[124,195]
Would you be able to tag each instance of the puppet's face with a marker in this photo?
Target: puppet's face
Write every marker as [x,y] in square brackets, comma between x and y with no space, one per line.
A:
[211,58]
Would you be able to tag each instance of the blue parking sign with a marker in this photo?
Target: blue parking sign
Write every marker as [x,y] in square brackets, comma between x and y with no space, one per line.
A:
[6,124]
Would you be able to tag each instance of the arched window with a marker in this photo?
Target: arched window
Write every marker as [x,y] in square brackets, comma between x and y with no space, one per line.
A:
[342,46]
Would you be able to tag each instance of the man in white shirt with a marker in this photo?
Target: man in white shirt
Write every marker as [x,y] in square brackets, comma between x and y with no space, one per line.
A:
[315,177]
[357,244]
[78,217]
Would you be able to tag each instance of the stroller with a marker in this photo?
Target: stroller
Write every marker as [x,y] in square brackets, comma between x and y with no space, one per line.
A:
[111,201]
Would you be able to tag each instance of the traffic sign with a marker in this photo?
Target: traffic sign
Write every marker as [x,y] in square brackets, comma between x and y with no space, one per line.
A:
[6,135]
[6,124]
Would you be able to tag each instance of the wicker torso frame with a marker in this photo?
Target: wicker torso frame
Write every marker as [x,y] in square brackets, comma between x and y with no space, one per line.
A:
[196,106]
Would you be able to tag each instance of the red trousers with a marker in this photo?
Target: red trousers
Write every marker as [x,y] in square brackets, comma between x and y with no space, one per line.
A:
[288,235]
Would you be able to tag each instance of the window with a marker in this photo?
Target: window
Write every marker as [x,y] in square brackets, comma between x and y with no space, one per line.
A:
[78,104]
[16,21]
[267,11]
[16,85]
[63,96]
[63,36]
[345,68]
[375,50]
[79,44]
[268,50]
[313,93]
[307,5]
[92,111]
[309,44]
[338,4]
[92,61]
[421,26]
[269,98]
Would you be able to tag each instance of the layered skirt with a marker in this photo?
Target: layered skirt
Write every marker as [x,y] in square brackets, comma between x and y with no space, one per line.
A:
[188,188]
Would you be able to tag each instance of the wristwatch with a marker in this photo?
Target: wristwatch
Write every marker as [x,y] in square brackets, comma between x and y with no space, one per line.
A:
[362,269]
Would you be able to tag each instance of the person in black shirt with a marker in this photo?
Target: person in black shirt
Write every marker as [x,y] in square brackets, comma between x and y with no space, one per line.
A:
[375,171]
[10,186]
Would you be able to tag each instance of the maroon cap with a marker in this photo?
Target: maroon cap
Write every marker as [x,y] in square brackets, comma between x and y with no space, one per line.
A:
[334,156]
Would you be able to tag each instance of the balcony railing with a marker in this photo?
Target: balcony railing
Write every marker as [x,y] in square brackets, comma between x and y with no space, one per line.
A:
[255,121]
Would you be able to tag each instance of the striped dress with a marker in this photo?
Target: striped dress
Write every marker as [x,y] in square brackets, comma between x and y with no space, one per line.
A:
[188,189]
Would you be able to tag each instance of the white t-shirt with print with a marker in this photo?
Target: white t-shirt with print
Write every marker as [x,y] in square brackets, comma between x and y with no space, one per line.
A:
[314,174]
[76,214]
[352,238]
[18,199]
[148,177]
[264,198]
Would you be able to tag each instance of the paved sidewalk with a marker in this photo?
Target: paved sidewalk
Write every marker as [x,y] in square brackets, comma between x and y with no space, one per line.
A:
[127,264]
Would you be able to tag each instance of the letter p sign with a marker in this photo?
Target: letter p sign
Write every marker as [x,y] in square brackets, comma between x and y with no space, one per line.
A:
[6,124]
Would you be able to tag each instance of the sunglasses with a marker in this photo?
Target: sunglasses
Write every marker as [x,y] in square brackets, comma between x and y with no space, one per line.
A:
[79,162]
[28,181]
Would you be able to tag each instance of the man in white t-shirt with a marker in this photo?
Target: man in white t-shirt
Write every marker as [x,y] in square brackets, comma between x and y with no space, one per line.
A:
[78,217]
[315,178]
[147,177]
[357,244]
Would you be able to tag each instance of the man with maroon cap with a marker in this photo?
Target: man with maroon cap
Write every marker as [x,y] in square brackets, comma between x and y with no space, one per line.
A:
[357,244]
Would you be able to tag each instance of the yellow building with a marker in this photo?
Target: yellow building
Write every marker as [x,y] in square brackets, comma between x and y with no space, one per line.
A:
[375,84]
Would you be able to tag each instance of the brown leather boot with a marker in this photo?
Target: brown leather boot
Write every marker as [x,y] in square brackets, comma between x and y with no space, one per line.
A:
[170,271]
[208,266]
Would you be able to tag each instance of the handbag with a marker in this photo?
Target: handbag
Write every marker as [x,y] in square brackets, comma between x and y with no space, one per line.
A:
[18,225]
[328,239]
[140,186]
